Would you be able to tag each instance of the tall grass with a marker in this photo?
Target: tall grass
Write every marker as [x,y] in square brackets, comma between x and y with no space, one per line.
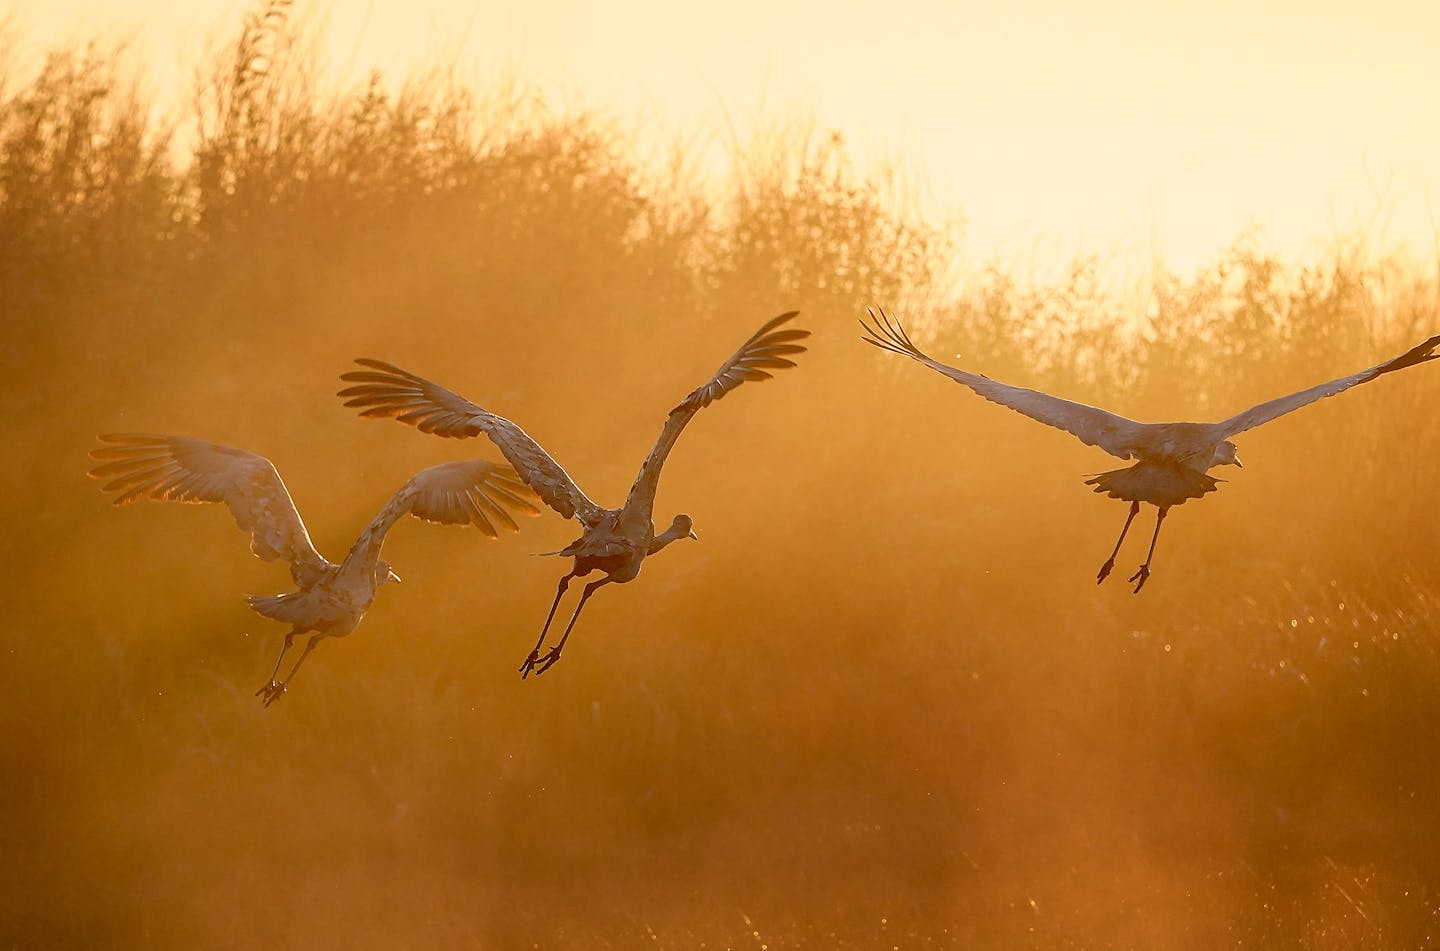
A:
[879,704]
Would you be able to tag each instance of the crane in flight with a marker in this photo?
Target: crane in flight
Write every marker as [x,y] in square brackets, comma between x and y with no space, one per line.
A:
[615,541]
[1173,457]
[330,599]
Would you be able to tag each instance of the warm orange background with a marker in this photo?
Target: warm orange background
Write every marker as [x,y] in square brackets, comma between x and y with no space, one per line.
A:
[881,702]
[1123,128]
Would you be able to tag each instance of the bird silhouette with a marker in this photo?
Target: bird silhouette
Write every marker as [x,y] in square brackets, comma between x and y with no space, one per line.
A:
[1173,457]
[330,599]
[615,541]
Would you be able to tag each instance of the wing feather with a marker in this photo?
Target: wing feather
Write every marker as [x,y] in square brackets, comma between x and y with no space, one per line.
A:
[470,492]
[473,491]
[767,348]
[1091,425]
[1273,409]
[387,390]
[182,469]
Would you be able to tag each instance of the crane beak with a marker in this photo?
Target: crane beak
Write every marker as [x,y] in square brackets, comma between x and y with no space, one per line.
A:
[691,534]
[1238,463]
[393,576]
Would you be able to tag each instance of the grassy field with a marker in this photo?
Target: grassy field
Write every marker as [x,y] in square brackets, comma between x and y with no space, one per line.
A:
[881,703]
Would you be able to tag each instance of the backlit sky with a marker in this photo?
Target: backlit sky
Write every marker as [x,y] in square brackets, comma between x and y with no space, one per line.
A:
[1119,128]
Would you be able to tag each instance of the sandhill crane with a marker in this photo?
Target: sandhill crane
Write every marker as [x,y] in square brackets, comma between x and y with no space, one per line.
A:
[1173,457]
[615,541]
[330,599]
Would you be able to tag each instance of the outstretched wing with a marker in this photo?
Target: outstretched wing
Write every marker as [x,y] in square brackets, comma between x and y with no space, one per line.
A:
[1265,412]
[181,469]
[1091,425]
[470,492]
[383,389]
[769,348]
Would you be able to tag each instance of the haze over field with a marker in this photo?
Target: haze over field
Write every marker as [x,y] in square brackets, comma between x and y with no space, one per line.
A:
[880,702]
[1121,128]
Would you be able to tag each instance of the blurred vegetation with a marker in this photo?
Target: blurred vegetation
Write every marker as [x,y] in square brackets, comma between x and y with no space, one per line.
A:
[880,703]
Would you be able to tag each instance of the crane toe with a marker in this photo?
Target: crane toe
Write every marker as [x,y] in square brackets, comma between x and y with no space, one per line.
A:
[271,692]
[548,661]
[1140,577]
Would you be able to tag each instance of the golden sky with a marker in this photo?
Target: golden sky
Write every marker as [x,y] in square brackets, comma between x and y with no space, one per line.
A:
[1052,127]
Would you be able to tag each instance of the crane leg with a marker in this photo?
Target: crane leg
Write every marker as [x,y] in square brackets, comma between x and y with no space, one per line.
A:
[1109,565]
[553,654]
[534,656]
[1143,574]
[276,691]
[270,684]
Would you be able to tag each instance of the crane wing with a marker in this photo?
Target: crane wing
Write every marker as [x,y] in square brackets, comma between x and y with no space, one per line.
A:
[1091,425]
[769,348]
[470,492]
[383,389]
[1273,409]
[182,469]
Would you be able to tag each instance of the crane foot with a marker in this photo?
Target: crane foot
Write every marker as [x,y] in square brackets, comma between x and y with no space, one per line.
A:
[1141,576]
[548,661]
[271,692]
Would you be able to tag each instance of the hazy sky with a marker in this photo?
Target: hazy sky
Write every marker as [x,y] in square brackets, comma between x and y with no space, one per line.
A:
[1051,127]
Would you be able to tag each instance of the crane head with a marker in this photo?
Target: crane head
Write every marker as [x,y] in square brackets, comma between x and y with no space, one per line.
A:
[384,574]
[681,527]
[1227,454]
[684,527]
